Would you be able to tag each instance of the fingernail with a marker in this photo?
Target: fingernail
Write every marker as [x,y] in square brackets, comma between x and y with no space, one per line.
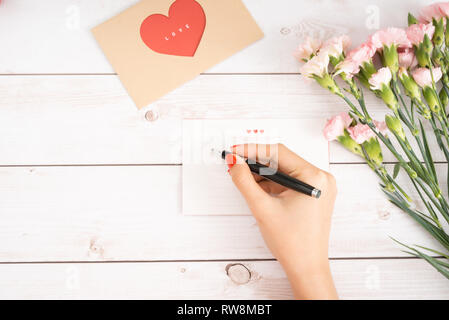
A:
[231,160]
[235,146]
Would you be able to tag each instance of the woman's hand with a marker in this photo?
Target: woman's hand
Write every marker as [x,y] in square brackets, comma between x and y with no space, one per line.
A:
[295,226]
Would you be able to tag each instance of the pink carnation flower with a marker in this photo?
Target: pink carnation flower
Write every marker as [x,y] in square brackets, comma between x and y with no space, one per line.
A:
[407,59]
[364,53]
[361,133]
[381,77]
[423,77]
[336,126]
[348,67]
[444,8]
[390,36]
[335,47]
[307,49]
[416,32]
[351,65]
[381,127]
[435,10]
[317,66]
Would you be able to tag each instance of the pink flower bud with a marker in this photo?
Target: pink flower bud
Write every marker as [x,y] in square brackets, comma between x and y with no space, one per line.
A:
[416,32]
[423,77]
[377,80]
[336,125]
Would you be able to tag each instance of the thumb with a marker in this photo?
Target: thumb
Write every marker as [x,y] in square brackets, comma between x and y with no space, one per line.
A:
[255,196]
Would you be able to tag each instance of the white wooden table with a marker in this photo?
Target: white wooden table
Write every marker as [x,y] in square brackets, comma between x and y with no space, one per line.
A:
[90,188]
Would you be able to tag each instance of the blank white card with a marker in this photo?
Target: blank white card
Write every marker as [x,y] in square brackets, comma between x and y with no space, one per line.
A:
[207,188]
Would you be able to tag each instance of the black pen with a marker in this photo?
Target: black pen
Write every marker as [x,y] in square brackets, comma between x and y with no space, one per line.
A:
[278,177]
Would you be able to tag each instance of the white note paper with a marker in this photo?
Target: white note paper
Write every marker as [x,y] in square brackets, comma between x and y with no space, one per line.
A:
[207,188]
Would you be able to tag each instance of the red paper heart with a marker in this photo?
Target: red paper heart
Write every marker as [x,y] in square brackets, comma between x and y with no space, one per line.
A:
[180,33]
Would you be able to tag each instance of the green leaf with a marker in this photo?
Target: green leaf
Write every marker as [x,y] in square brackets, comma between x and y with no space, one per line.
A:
[397,167]
[434,251]
[432,213]
[430,227]
[428,155]
[412,19]
[440,266]
[396,185]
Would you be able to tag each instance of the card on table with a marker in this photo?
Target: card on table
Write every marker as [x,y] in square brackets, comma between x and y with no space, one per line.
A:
[157,45]
[206,186]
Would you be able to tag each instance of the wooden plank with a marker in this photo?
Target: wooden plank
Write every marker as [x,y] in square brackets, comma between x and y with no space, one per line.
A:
[355,279]
[52,120]
[123,213]
[60,40]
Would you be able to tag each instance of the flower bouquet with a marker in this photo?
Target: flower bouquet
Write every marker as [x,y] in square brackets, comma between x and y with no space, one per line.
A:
[408,69]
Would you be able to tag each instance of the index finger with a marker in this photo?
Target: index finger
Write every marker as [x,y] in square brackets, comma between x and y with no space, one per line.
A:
[277,156]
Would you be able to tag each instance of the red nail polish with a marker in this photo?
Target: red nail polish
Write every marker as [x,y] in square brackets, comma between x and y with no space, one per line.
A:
[231,160]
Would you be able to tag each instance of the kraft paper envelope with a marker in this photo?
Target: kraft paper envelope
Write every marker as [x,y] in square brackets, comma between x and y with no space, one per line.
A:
[157,45]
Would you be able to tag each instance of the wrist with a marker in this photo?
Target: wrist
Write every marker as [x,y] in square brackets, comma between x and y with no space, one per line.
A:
[305,263]
[312,280]
[304,270]
[314,287]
